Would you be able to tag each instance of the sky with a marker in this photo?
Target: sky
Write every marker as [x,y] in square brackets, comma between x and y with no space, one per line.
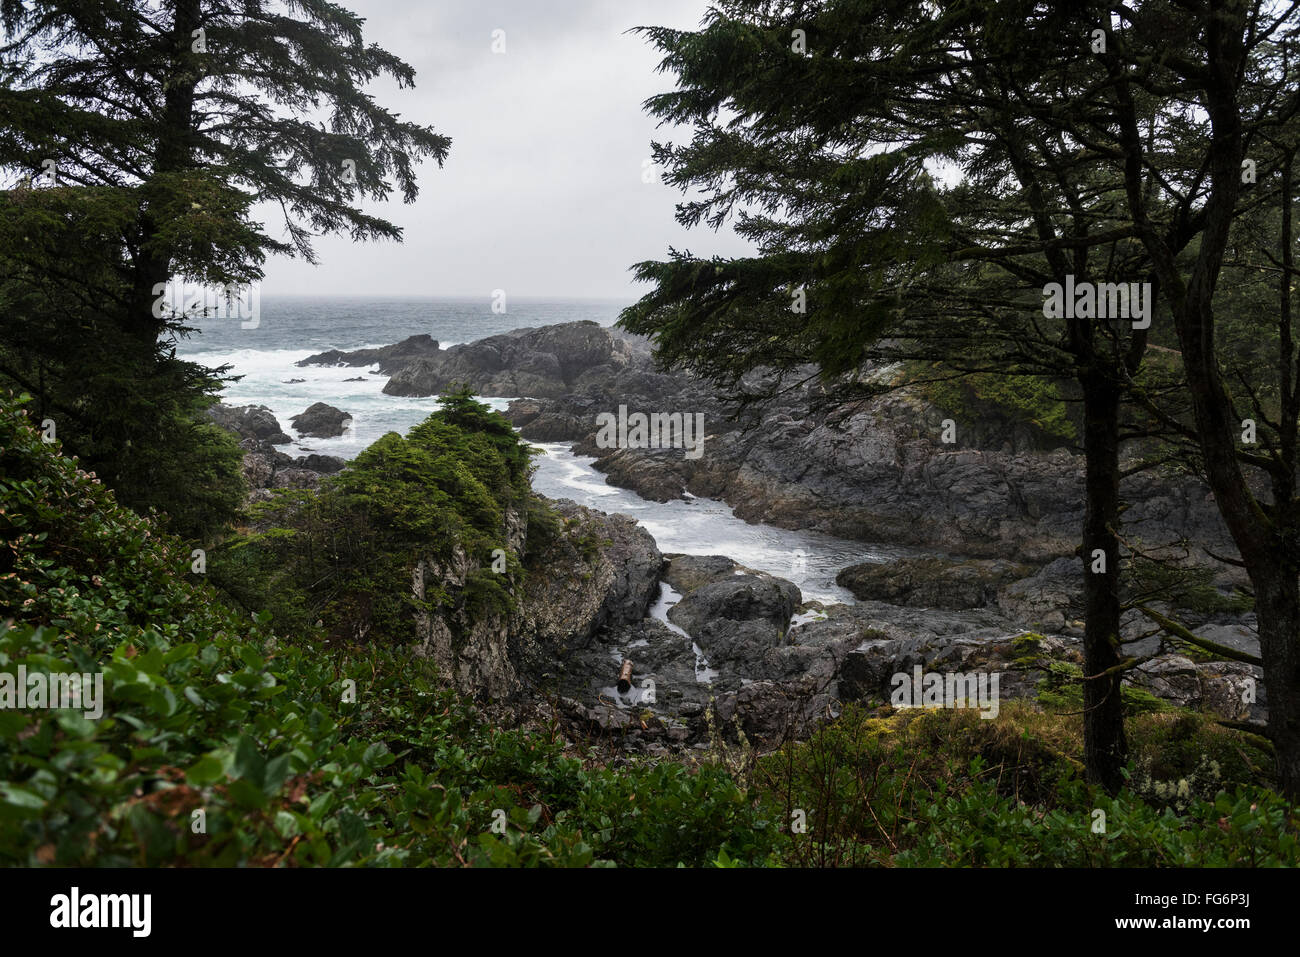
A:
[542,193]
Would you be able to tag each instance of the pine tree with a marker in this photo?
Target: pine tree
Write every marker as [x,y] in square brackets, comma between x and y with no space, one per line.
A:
[915,176]
[139,136]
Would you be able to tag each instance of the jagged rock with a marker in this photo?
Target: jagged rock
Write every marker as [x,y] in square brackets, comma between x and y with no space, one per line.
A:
[931,582]
[602,572]
[771,713]
[258,470]
[249,422]
[534,362]
[474,651]
[661,474]
[325,464]
[321,421]
[390,359]
[739,619]
[295,478]
[888,639]
[551,427]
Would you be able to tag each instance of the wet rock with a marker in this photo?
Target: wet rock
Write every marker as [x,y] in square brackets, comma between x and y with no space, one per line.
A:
[325,464]
[552,427]
[390,359]
[932,582]
[249,422]
[321,421]
[535,362]
[685,573]
[746,607]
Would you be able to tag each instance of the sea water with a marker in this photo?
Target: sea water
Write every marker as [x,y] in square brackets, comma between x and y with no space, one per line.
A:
[292,328]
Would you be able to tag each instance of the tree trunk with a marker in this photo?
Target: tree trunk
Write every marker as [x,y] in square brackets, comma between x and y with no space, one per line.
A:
[1277,604]
[173,152]
[1105,748]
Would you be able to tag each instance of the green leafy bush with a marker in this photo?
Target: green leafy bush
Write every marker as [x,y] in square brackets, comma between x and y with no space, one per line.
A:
[946,788]
[224,743]
[344,554]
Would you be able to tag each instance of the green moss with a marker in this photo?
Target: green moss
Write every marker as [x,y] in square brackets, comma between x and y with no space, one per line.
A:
[1026,649]
[982,397]
[206,708]
[1062,691]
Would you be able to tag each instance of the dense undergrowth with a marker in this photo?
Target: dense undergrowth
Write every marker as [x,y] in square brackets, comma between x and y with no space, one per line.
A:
[231,737]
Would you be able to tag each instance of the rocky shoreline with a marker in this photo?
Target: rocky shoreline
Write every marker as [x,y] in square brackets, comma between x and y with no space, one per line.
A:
[876,472]
[721,649]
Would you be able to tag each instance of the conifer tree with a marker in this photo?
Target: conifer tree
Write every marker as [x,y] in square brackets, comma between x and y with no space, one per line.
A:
[916,177]
[138,137]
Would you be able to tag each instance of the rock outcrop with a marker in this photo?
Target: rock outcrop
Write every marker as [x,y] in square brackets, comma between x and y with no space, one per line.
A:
[471,647]
[265,467]
[389,359]
[321,421]
[874,471]
[932,582]
[598,572]
[254,422]
[725,649]
[729,659]
[542,362]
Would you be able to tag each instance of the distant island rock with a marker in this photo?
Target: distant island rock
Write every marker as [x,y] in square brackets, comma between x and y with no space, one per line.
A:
[545,362]
[390,359]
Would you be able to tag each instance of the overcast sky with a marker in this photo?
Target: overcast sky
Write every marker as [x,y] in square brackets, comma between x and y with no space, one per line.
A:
[542,193]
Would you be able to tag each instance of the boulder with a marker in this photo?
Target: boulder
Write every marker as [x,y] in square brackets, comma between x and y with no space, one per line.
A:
[738,619]
[685,573]
[325,464]
[321,421]
[931,582]
[249,422]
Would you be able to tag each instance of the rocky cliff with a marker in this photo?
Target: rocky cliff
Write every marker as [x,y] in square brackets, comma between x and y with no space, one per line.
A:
[725,649]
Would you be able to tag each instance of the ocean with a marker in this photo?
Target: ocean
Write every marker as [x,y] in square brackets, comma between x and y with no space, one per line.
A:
[290,328]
